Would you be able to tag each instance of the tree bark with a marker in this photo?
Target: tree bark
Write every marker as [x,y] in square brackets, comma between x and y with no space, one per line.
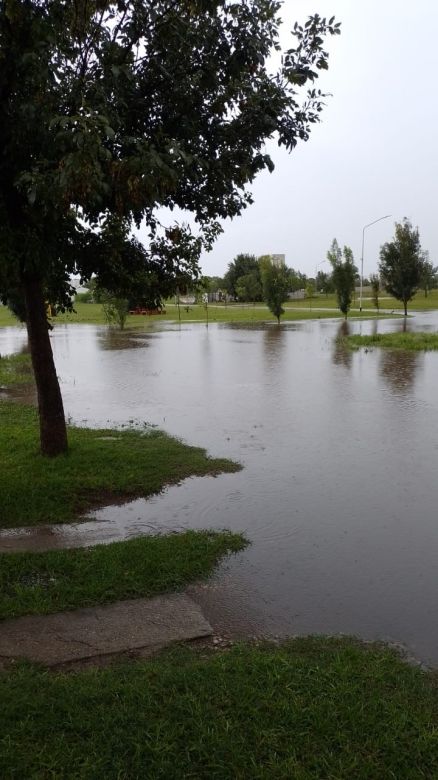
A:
[53,431]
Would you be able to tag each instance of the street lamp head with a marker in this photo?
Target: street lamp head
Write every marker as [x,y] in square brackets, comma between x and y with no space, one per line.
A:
[377,220]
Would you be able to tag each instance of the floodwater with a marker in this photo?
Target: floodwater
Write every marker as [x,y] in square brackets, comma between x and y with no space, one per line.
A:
[338,494]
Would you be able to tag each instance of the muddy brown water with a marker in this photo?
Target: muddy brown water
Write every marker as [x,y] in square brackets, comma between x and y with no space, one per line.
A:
[338,494]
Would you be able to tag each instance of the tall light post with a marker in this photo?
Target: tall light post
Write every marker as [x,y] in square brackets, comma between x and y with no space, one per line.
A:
[361,261]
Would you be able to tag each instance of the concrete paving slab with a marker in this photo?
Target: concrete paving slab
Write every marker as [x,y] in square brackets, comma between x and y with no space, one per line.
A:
[139,624]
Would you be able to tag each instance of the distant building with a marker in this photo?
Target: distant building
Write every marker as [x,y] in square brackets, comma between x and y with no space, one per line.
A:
[278,260]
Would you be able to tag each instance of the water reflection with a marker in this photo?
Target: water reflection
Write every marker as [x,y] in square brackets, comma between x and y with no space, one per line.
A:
[273,342]
[399,369]
[116,339]
[342,354]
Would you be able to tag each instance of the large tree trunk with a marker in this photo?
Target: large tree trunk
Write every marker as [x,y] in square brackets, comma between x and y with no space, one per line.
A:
[53,431]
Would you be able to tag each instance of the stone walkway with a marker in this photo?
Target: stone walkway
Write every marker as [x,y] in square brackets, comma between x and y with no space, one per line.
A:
[140,625]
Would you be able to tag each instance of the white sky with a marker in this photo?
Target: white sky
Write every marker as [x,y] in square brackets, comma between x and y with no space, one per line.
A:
[374,152]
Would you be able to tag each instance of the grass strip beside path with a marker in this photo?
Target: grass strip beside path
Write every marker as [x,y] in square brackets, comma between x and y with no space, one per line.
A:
[58,580]
[101,467]
[409,341]
[310,709]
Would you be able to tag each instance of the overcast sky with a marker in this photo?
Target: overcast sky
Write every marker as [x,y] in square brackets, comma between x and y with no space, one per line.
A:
[374,152]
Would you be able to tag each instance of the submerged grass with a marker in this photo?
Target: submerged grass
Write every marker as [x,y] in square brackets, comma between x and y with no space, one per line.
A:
[310,709]
[408,341]
[46,582]
[15,370]
[101,467]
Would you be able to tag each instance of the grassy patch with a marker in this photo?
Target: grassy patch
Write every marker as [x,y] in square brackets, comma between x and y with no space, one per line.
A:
[92,313]
[321,308]
[41,583]
[7,318]
[311,709]
[409,341]
[418,303]
[15,370]
[102,467]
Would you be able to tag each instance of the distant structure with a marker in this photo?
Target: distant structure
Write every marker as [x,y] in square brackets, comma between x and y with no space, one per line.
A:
[278,260]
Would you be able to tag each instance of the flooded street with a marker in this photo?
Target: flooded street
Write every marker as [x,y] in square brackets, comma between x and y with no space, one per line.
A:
[338,494]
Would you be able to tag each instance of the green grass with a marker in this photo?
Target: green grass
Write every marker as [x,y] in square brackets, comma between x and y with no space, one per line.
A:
[92,313]
[387,302]
[45,582]
[102,467]
[15,370]
[295,310]
[312,709]
[408,341]
[6,317]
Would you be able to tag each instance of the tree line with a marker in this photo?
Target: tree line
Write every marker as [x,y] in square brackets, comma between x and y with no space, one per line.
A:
[404,269]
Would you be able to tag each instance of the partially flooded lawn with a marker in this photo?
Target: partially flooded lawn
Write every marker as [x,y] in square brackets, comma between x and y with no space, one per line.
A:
[339,450]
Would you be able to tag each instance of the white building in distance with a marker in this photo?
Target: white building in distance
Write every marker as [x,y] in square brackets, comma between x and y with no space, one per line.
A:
[278,260]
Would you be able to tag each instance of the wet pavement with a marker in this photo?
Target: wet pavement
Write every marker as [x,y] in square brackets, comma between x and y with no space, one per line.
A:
[132,626]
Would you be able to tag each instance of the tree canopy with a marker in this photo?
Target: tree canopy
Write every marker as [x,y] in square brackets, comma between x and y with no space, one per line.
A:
[401,263]
[343,274]
[276,285]
[243,265]
[375,289]
[429,274]
[110,110]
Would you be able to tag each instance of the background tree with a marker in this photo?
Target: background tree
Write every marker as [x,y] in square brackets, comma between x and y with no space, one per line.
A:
[115,310]
[343,274]
[297,280]
[375,289]
[214,284]
[428,274]
[242,265]
[334,254]
[275,280]
[401,263]
[249,287]
[110,110]
[310,290]
[324,282]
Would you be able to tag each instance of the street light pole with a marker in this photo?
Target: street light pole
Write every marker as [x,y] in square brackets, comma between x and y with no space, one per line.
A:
[361,261]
